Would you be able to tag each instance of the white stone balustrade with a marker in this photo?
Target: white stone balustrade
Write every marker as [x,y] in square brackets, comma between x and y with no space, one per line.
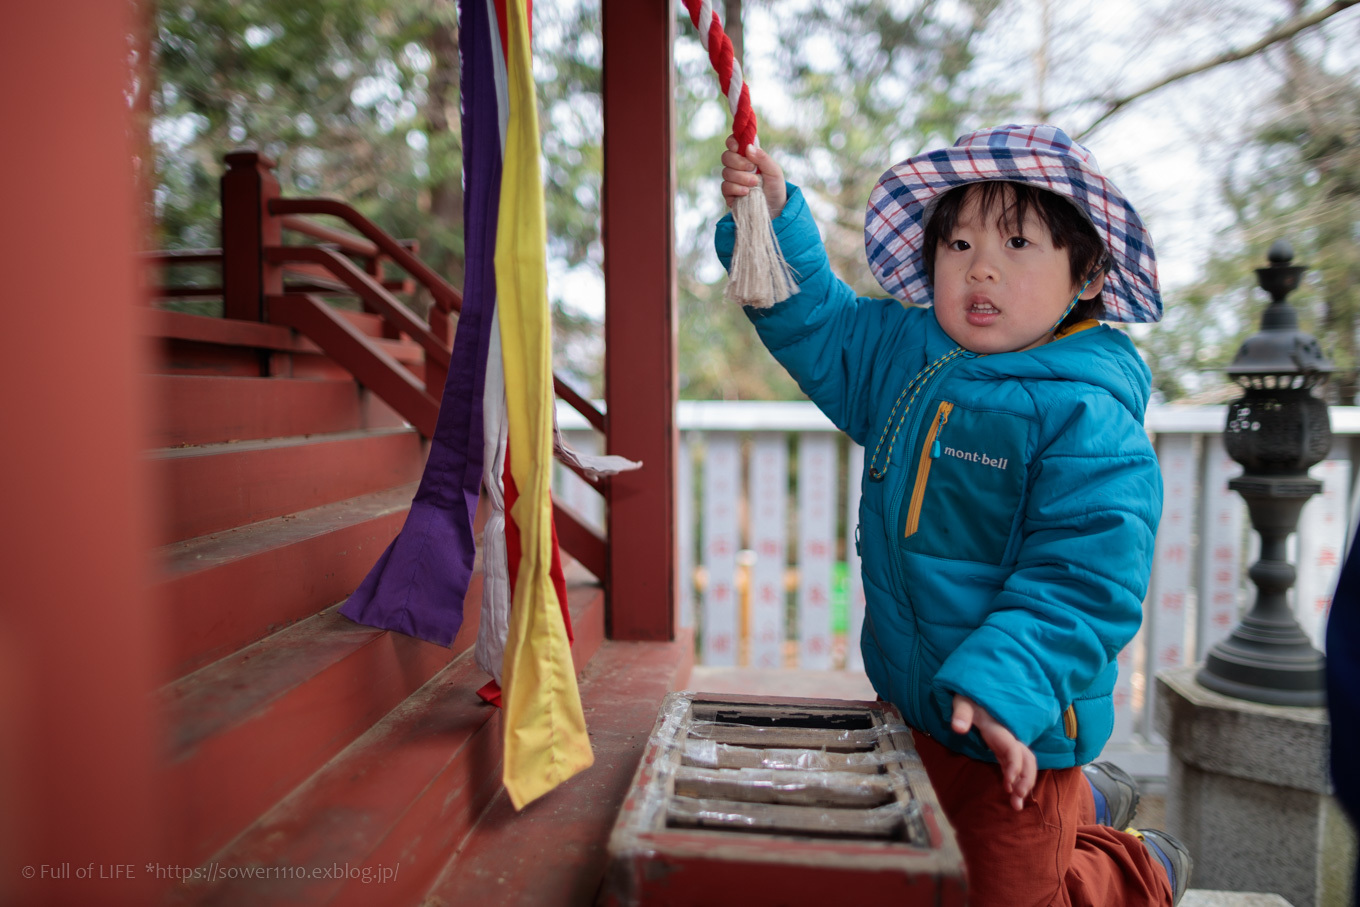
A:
[768,498]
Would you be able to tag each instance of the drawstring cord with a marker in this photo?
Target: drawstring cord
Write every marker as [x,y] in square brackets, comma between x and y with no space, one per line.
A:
[913,388]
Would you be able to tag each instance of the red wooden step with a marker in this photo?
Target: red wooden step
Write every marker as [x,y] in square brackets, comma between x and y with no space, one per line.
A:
[232,332]
[202,409]
[224,591]
[397,801]
[247,729]
[183,357]
[214,487]
[387,785]
[554,851]
[201,345]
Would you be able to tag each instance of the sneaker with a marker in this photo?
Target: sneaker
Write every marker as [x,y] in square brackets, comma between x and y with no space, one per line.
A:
[1173,856]
[1115,793]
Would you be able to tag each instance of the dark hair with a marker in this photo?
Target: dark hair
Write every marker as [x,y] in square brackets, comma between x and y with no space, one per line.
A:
[1012,203]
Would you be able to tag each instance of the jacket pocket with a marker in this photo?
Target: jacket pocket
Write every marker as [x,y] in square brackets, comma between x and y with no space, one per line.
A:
[930,451]
[1094,719]
[970,477]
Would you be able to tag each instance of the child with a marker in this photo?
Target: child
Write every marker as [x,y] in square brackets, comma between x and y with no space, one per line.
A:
[1010,495]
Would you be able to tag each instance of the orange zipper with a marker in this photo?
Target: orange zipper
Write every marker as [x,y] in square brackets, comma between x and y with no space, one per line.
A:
[1070,722]
[918,493]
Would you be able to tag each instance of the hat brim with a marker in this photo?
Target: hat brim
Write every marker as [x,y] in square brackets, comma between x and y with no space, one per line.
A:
[905,197]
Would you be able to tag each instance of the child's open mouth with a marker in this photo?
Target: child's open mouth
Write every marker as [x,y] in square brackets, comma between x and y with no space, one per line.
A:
[981,312]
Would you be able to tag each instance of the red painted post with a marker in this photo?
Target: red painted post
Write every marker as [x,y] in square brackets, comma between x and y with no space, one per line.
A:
[79,739]
[247,229]
[640,318]
[374,268]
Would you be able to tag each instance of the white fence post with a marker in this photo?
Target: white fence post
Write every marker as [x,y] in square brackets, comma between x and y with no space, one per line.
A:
[722,492]
[684,518]
[1322,542]
[1123,693]
[816,546]
[1220,548]
[855,619]
[768,484]
[1170,589]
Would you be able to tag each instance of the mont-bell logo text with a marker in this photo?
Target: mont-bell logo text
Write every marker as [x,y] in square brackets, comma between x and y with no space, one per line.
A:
[975,456]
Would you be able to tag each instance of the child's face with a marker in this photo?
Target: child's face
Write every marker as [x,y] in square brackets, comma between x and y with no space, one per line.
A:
[1000,289]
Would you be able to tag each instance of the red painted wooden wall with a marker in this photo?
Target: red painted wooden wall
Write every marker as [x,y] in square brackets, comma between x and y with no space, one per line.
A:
[77,643]
[79,648]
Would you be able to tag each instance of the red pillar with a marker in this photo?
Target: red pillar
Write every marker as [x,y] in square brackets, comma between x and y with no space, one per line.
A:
[78,740]
[640,319]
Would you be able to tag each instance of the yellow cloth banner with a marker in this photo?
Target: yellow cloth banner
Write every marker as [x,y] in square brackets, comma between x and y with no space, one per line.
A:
[545,728]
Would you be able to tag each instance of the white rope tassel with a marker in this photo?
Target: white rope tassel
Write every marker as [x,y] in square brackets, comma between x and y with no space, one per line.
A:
[759,276]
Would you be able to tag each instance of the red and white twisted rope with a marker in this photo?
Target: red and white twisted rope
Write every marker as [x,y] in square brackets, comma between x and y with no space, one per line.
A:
[759,275]
[728,68]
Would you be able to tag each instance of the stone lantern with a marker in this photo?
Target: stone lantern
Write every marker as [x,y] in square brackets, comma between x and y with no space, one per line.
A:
[1277,429]
[1248,785]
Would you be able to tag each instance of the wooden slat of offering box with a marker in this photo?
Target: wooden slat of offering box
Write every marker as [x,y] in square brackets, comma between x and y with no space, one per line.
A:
[781,802]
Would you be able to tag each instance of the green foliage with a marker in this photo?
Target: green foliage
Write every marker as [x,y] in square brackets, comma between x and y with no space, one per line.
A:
[1298,178]
[359,99]
[876,83]
[867,84]
[337,92]
[719,355]
[1201,329]
[569,77]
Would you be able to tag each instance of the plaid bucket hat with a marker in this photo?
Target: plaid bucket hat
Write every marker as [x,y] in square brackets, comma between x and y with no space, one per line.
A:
[1040,156]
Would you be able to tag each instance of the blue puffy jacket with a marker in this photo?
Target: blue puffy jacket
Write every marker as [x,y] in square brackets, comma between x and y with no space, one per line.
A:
[1007,551]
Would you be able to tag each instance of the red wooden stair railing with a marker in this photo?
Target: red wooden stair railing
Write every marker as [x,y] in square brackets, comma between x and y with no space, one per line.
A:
[266,280]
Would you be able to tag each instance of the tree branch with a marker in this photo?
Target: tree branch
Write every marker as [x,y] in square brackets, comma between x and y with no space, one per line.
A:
[732,24]
[1282,32]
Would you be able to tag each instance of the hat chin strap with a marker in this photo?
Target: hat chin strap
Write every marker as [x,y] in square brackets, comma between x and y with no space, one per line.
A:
[1071,305]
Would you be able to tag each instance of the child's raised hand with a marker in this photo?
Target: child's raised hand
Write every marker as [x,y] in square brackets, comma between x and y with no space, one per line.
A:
[1018,766]
[740,176]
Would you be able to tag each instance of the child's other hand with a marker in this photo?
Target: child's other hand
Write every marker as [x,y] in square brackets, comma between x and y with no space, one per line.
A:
[740,176]
[1018,767]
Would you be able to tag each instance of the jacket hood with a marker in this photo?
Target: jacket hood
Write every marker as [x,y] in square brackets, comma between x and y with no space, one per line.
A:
[1098,355]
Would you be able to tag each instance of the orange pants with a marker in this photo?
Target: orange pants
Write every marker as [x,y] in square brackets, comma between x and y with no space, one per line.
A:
[1051,852]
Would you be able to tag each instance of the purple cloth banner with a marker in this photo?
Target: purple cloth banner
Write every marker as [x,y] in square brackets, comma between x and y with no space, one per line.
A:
[418,584]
